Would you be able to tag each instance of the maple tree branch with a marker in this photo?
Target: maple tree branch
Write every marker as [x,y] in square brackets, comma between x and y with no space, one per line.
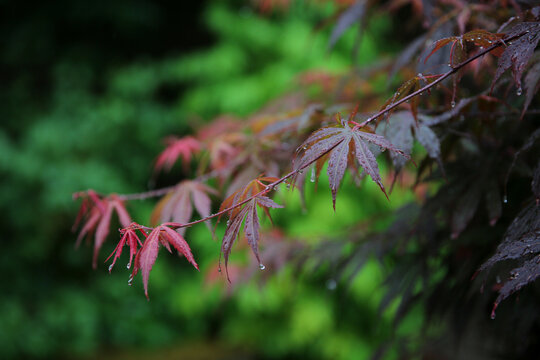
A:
[441,78]
[271,186]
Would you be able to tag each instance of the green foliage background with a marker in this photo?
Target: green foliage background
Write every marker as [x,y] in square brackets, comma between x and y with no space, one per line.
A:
[76,117]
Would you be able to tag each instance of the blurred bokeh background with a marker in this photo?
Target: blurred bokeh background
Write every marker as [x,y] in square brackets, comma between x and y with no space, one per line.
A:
[89,90]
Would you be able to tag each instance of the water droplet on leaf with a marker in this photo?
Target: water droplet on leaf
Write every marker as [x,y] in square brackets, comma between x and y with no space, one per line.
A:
[331,284]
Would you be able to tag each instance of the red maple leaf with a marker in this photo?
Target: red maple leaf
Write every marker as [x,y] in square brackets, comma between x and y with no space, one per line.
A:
[344,144]
[147,255]
[481,38]
[247,214]
[98,212]
[177,206]
[407,88]
[129,238]
[185,147]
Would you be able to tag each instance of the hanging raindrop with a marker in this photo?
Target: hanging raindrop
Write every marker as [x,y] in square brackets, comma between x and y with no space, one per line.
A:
[261,266]
[453,104]
[312,177]
[331,284]
[110,267]
[519,91]
[128,266]
[505,199]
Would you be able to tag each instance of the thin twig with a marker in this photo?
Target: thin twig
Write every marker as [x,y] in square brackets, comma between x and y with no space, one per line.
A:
[444,76]
[148,194]
[268,188]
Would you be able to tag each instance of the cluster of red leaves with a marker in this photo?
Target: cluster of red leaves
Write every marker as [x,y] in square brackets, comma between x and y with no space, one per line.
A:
[97,212]
[235,158]
[146,256]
